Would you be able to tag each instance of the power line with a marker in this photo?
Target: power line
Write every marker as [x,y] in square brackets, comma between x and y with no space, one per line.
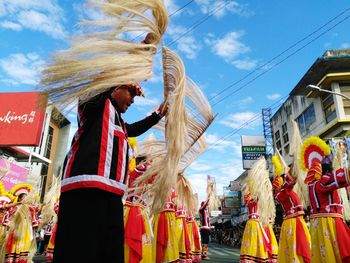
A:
[280,54]
[279,62]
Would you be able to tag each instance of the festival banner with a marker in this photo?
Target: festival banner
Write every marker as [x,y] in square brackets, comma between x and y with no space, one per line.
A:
[12,174]
[21,118]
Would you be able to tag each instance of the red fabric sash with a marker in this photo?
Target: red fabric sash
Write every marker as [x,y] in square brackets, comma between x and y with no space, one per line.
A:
[53,235]
[187,238]
[268,243]
[10,242]
[197,242]
[162,237]
[303,247]
[343,237]
[134,229]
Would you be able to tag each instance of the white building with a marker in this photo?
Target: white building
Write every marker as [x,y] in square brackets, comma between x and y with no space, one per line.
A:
[317,113]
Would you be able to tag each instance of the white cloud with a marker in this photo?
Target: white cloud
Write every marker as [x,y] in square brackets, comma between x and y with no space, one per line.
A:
[22,68]
[142,102]
[245,64]
[187,44]
[220,144]
[274,96]
[171,7]
[245,101]
[345,45]
[230,46]
[219,8]
[11,25]
[231,49]
[39,15]
[244,120]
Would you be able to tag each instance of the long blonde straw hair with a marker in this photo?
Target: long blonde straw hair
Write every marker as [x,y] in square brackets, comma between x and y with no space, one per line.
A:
[259,186]
[189,115]
[102,57]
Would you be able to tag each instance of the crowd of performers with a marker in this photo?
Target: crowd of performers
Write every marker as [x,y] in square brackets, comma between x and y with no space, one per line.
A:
[173,235]
[315,183]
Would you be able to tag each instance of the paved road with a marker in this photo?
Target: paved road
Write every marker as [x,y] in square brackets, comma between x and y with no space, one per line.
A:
[222,254]
[217,253]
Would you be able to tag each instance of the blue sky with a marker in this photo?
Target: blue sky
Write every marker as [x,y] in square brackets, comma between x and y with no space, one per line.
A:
[225,46]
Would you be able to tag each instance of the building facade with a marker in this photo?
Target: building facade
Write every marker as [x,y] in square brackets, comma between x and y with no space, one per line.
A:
[45,160]
[318,113]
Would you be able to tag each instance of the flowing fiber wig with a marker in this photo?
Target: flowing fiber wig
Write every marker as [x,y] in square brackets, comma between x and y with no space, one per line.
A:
[48,207]
[297,172]
[342,192]
[189,115]
[165,163]
[214,201]
[260,187]
[184,193]
[102,57]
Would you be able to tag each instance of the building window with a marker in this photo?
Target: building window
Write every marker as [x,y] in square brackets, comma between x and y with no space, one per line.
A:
[45,167]
[286,150]
[285,133]
[345,89]
[329,107]
[278,140]
[306,119]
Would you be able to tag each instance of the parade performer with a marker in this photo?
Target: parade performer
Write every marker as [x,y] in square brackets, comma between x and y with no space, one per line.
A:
[204,227]
[101,71]
[330,235]
[137,227]
[20,221]
[182,235]
[294,242]
[195,240]
[51,245]
[258,244]
[6,202]
[165,245]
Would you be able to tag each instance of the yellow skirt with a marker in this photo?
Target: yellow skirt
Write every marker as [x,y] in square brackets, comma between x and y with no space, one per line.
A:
[252,247]
[145,237]
[18,250]
[324,241]
[182,236]
[274,244]
[294,243]
[165,242]
[195,240]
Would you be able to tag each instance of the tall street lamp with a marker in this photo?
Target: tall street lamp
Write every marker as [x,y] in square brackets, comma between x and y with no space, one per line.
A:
[314,87]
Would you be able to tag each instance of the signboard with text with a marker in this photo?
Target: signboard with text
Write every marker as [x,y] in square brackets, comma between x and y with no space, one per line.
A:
[21,118]
[253,147]
[14,174]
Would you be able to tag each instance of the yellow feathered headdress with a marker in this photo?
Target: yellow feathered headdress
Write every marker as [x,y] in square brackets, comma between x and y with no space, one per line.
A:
[312,153]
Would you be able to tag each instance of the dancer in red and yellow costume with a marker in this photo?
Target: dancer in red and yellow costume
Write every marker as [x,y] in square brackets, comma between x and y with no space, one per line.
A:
[6,202]
[195,240]
[137,227]
[294,243]
[21,237]
[258,242]
[182,235]
[330,236]
[165,244]
[51,246]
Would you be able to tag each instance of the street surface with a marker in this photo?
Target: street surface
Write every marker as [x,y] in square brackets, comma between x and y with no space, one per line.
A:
[217,253]
[222,254]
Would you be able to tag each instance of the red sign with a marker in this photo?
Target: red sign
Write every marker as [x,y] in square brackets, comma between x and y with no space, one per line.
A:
[21,118]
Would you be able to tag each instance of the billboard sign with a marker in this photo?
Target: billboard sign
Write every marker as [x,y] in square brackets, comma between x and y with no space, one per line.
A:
[253,147]
[13,174]
[21,118]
